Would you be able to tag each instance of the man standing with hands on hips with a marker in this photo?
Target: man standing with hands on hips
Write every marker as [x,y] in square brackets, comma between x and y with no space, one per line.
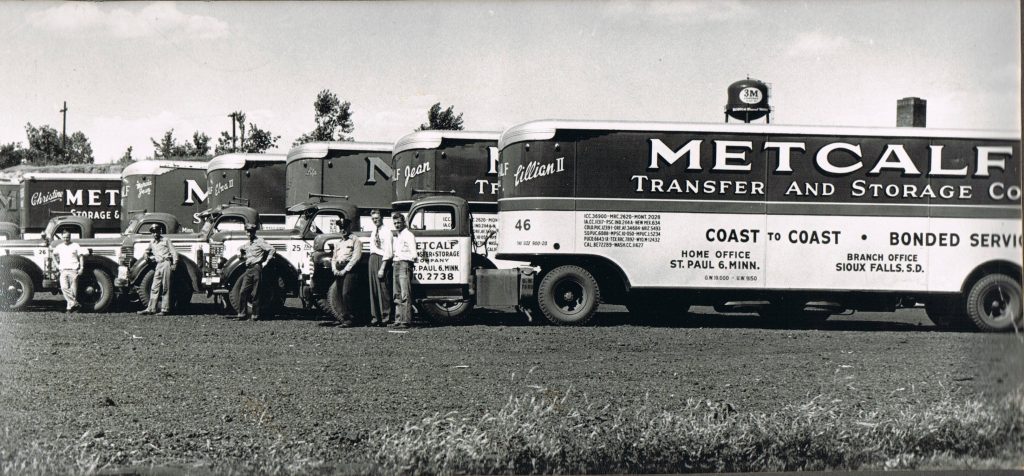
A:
[379,271]
[70,264]
[404,257]
[257,254]
[162,251]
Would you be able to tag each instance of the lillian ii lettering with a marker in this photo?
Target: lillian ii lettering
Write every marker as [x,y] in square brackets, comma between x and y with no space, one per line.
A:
[536,169]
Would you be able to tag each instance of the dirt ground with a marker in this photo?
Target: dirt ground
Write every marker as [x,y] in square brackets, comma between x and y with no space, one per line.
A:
[186,390]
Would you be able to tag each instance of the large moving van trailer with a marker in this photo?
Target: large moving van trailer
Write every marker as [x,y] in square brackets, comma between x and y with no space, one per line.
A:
[167,186]
[793,222]
[95,196]
[253,180]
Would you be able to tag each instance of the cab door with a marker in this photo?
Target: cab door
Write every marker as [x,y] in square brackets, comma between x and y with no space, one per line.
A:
[443,243]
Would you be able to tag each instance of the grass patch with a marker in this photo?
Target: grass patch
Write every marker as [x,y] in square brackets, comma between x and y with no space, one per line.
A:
[570,435]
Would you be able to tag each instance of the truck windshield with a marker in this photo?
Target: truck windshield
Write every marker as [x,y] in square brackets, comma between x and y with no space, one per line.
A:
[318,223]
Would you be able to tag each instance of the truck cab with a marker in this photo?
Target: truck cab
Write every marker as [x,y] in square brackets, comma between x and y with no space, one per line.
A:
[135,271]
[28,265]
[449,278]
[291,267]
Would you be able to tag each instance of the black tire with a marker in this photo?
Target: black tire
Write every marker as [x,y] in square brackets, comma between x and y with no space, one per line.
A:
[994,303]
[361,306]
[181,295]
[95,290]
[272,296]
[568,295]
[444,313]
[16,289]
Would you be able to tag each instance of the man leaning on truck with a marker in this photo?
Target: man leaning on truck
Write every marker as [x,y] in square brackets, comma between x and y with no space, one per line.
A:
[404,257]
[379,271]
[257,255]
[162,251]
[69,262]
[346,256]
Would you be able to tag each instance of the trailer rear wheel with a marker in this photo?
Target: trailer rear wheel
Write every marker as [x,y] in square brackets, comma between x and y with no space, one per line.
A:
[16,289]
[95,290]
[994,303]
[568,295]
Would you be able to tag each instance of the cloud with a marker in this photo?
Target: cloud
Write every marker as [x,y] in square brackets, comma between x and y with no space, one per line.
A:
[675,11]
[816,43]
[161,18]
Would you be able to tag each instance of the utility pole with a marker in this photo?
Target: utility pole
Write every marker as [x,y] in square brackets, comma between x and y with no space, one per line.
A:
[234,119]
[64,131]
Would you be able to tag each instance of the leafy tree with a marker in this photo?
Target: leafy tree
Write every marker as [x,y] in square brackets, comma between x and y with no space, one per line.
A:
[333,119]
[200,144]
[438,119]
[126,159]
[257,141]
[46,146]
[13,154]
[169,148]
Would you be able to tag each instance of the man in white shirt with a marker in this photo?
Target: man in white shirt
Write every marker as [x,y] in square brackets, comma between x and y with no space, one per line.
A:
[404,257]
[70,264]
[379,271]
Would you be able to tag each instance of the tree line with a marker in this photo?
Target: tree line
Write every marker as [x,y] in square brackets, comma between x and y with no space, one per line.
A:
[332,118]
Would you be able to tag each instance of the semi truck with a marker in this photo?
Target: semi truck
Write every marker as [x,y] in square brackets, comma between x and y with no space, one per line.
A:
[461,164]
[42,196]
[326,181]
[27,265]
[251,179]
[795,223]
[135,270]
[165,186]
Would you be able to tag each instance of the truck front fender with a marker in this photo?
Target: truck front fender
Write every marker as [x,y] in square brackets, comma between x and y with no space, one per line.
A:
[22,263]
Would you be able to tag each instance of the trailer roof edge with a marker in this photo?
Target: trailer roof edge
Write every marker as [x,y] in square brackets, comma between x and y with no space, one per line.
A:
[432,139]
[547,128]
[160,167]
[235,161]
[319,150]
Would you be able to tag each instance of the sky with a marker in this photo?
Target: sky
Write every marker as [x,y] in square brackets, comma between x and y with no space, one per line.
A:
[130,71]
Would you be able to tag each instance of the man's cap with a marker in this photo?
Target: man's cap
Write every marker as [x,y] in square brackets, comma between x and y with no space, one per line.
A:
[251,227]
[154,228]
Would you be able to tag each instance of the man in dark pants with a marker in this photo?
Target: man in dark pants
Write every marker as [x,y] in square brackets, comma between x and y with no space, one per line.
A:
[379,272]
[257,254]
[345,258]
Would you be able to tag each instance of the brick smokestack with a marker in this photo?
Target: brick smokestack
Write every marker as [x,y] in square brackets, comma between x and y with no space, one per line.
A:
[911,112]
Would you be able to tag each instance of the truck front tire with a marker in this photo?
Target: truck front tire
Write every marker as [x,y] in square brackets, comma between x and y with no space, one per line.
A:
[568,295]
[994,303]
[181,295]
[272,296]
[95,290]
[16,289]
[446,313]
